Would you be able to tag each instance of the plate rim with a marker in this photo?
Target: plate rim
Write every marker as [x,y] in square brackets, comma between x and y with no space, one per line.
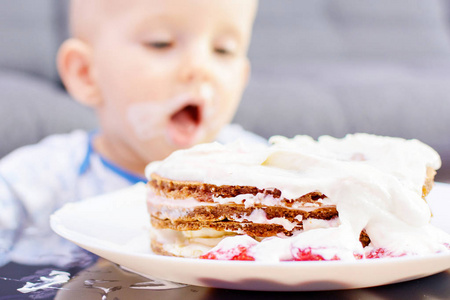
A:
[57,225]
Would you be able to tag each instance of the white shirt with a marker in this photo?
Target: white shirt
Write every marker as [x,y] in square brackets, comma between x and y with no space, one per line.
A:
[37,180]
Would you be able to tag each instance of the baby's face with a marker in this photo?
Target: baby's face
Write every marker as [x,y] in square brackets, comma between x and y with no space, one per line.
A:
[171,73]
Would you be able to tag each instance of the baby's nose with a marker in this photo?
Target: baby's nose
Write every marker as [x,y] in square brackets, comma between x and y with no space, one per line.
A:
[195,67]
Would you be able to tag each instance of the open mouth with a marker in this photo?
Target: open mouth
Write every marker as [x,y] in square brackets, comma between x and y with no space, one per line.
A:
[184,124]
[187,116]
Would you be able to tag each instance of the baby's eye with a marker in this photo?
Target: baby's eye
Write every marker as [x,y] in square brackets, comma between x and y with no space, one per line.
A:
[223,51]
[225,46]
[161,44]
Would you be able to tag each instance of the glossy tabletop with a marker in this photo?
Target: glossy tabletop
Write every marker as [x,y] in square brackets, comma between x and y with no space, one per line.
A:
[105,280]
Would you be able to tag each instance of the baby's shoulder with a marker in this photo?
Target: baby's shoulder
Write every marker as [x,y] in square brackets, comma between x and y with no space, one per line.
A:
[53,155]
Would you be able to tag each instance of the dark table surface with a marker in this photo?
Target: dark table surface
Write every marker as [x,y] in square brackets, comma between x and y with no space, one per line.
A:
[103,280]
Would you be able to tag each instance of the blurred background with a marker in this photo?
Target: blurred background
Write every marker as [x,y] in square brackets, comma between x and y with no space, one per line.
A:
[318,67]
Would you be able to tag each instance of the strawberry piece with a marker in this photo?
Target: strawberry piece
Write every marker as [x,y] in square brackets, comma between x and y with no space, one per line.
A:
[358,255]
[243,255]
[382,253]
[238,253]
[376,253]
[307,255]
[208,255]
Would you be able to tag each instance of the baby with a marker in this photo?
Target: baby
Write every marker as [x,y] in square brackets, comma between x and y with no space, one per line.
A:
[160,74]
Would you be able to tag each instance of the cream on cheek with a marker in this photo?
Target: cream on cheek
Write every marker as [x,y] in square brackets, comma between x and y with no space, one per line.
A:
[151,119]
[147,119]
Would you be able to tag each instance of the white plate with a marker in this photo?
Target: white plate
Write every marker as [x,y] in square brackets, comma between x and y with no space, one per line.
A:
[115,226]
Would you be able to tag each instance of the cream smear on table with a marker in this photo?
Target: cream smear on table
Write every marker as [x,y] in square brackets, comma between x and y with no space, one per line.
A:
[375,182]
[53,281]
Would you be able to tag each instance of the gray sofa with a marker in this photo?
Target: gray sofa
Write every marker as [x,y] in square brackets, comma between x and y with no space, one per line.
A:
[318,67]
[33,103]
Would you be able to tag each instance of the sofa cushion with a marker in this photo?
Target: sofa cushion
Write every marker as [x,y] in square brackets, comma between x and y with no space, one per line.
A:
[33,108]
[400,29]
[31,32]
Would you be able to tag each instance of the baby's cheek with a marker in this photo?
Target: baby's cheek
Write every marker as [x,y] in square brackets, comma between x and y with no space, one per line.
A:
[231,99]
[160,68]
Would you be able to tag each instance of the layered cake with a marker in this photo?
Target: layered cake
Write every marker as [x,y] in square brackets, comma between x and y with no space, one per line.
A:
[362,196]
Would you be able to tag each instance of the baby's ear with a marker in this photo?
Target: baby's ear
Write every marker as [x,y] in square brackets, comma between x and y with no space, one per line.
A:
[75,67]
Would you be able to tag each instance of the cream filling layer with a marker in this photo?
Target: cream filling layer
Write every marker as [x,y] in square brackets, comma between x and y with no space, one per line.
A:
[188,243]
[259,216]
[173,209]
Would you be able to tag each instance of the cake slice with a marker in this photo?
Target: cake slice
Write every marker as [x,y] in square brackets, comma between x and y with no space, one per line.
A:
[289,197]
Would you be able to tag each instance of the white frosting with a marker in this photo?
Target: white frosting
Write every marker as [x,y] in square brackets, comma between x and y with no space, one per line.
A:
[375,182]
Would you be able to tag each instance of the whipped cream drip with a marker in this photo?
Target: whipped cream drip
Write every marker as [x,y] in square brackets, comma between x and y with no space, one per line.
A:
[375,182]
